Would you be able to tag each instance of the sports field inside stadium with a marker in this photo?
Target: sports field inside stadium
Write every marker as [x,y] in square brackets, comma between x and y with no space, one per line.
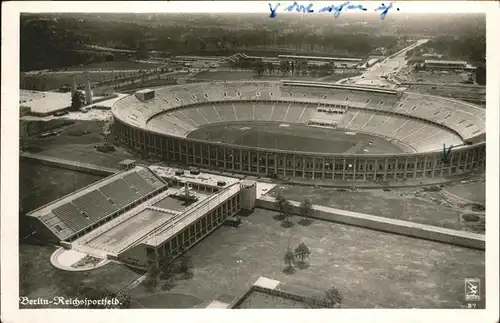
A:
[295,137]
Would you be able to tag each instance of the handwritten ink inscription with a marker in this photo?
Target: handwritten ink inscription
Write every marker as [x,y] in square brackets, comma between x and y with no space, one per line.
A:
[335,9]
[445,156]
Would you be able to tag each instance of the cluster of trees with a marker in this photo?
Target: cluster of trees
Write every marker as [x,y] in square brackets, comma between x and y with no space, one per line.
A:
[470,48]
[333,298]
[286,208]
[77,101]
[169,270]
[60,40]
[297,256]
[50,41]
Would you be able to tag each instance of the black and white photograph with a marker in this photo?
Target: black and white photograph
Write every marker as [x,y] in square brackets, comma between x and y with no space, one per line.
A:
[302,155]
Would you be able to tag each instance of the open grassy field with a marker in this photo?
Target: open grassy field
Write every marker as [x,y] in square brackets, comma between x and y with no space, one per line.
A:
[86,153]
[117,65]
[226,76]
[40,184]
[55,80]
[371,269]
[76,142]
[475,192]
[293,137]
[406,204]
[336,77]
[38,278]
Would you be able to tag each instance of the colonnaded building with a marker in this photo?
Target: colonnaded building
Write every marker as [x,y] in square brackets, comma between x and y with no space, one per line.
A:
[367,134]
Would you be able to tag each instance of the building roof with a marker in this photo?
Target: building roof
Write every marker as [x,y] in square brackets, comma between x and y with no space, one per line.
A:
[248,182]
[433,61]
[170,228]
[201,179]
[144,91]
[127,162]
[44,102]
[320,58]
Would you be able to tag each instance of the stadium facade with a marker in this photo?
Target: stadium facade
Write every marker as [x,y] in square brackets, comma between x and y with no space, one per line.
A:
[421,123]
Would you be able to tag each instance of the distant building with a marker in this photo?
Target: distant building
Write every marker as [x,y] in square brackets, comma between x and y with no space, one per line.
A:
[432,55]
[145,94]
[447,65]
[318,60]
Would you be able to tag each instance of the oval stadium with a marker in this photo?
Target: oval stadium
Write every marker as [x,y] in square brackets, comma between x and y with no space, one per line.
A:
[304,130]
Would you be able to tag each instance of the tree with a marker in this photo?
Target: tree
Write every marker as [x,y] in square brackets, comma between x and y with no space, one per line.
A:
[280,200]
[481,75]
[151,280]
[306,208]
[287,210]
[302,252]
[141,51]
[185,267]
[259,67]
[333,298]
[270,68]
[284,67]
[289,258]
[77,101]
[185,264]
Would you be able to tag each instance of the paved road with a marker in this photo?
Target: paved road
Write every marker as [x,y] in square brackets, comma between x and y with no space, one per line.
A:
[94,71]
[390,65]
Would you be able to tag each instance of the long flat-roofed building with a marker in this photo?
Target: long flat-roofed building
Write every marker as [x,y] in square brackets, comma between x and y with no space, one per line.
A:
[44,103]
[447,65]
[320,58]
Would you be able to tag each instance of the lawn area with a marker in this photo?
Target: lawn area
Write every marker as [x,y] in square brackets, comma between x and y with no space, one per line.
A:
[336,77]
[88,154]
[475,192]
[166,300]
[73,144]
[263,300]
[429,208]
[41,184]
[54,81]
[223,76]
[117,65]
[371,269]
[38,278]
[295,137]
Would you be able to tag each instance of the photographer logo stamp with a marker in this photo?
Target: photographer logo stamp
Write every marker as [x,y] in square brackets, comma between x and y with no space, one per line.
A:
[472,289]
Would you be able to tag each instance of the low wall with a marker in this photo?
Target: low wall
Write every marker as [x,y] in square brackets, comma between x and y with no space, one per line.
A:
[411,229]
[311,298]
[67,164]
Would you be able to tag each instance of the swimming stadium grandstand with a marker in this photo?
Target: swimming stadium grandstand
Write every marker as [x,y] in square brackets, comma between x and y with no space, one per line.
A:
[138,217]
